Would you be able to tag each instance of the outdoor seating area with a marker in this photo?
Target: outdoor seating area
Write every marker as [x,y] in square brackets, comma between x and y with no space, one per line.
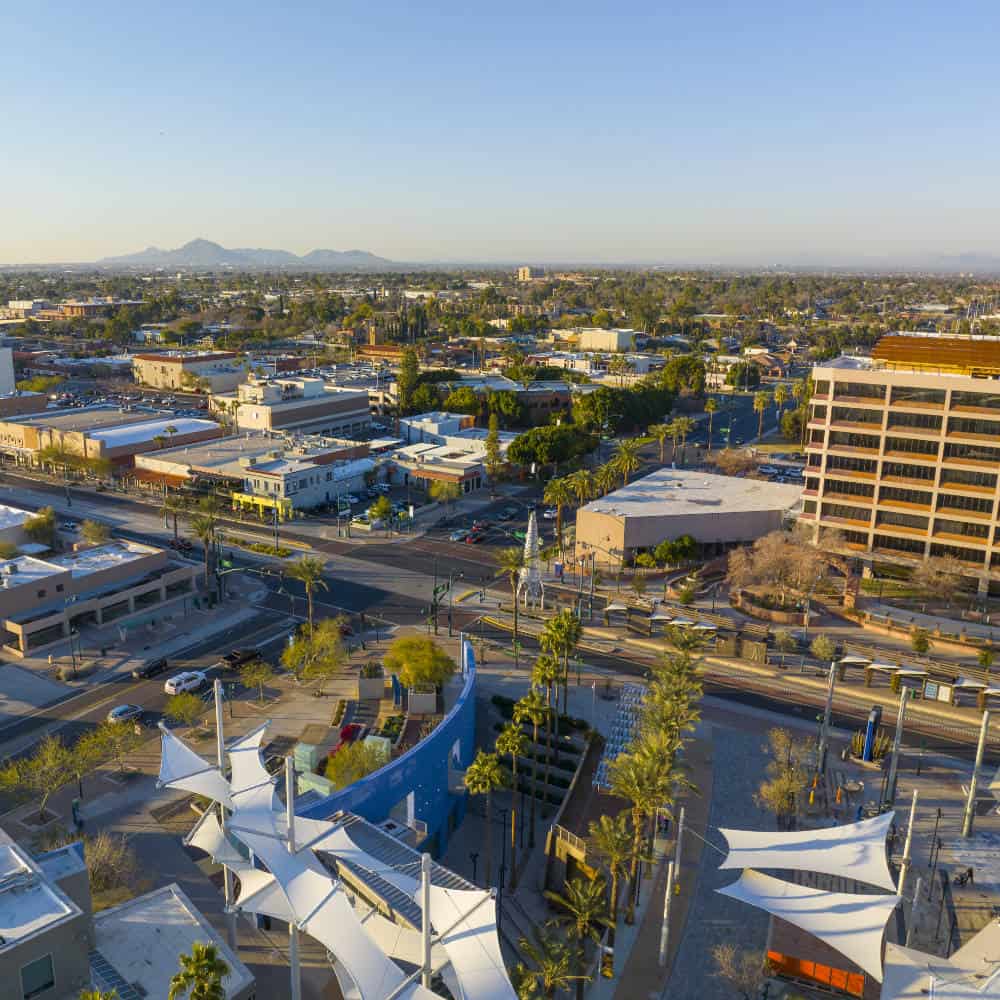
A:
[622,730]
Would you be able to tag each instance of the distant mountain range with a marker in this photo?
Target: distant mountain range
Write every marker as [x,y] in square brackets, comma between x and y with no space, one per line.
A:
[205,255]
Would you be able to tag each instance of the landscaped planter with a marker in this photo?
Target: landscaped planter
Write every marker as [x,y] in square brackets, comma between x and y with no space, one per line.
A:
[422,702]
[745,602]
[370,687]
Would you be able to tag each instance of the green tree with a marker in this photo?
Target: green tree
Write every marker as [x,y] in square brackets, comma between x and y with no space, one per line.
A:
[352,762]
[612,843]
[585,906]
[558,494]
[494,461]
[511,562]
[626,457]
[553,962]
[532,708]
[785,642]
[309,572]
[41,528]
[381,510]
[823,648]
[38,776]
[185,708]
[316,654]
[985,658]
[920,640]
[256,674]
[119,741]
[462,400]
[98,995]
[406,379]
[418,660]
[446,493]
[545,675]
[780,398]
[200,976]
[661,432]
[85,755]
[174,507]
[581,483]
[711,407]
[513,743]
[606,478]
[683,426]
[560,636]
[787,776]
[483,777]
[95,532]
[204,527]
[761,401]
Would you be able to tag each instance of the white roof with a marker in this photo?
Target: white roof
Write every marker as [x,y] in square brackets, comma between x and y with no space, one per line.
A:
[856,851]
[969,684]
[101,557]
[851,923]
[126,434]
[12,517]
[971,973]
[29,903]
[684,492]
[854,661]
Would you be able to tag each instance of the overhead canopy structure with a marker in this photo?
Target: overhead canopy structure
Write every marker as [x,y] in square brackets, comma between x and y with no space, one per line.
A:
[297,886]
[853,660]
[968,684]
[856,851]
[852,923]
[971,973]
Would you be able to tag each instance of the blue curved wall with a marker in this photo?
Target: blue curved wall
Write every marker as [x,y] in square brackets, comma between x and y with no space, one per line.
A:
[423,770]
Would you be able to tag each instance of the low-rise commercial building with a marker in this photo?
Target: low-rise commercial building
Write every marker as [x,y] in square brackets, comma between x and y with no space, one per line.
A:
[210,371]
[592,338]
[295,484]
[42,600]
[423,464]
[302,405]
[456,430]
[717,511]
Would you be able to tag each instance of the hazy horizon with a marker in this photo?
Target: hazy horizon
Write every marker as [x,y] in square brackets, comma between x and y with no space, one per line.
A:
[717,135]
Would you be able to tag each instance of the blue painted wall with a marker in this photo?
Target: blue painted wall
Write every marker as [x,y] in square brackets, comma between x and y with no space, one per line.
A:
[423,769]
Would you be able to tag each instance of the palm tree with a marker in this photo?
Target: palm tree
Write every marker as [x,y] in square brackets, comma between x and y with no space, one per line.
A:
[606,478]
[683,426]
[581,483]
[532,708]
[661,432]
[201,975]
[780,398]
[309,572]
[204,526]
[761,401]
[626,457]
[710,408]
[98,995]
[511,562]
[553,962]
[545,674]
[483,777]
[560,636]
[585,903]
[612,843]
[558,494]
[172,506]
[170,431]
[514,743]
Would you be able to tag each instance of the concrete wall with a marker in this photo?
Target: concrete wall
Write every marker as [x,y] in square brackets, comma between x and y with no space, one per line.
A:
[67,944]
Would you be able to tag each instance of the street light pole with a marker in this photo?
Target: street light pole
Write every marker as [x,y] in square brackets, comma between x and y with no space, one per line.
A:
[295,967]
[970,802]
[896,741]
[824,739]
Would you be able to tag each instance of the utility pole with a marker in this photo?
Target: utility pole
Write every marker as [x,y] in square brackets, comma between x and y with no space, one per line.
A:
[890,792]
[425,919]
[274,524]
[904,867]
[970,802]
[679,846]
[295,967]
[665,926]
[220,747]
[824,737]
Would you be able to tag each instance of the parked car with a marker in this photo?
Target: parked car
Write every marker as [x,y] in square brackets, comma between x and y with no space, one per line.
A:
[150,669]
[507,514]
[481,525]
[237,657]
[458,536]
[190,680]
[550,513]
[125,713]
[474,538]
[69,526]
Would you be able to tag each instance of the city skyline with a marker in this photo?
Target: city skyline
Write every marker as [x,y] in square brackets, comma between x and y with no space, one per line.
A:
[708,137]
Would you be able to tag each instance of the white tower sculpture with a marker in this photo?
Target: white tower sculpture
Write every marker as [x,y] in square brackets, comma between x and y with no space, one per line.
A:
[530,588]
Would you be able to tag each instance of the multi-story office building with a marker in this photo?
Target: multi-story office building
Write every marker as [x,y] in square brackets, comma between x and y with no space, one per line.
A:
[904,453]
[215,371]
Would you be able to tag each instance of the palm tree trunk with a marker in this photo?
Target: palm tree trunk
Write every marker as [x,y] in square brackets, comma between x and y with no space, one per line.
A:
[175,526]
[548,744]
[634,866]
[513,825]
[309,602]
[534,784]
[489,839]
[710,433]
[513,591]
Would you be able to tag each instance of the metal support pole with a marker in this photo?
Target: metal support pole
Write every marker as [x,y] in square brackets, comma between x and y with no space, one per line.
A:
[824,737]
[293,960]
[425,919]
[665,926]
[914,911]
[227,875]
[905,866]
[679,846]
[290,801]
[970,802]
[890,792]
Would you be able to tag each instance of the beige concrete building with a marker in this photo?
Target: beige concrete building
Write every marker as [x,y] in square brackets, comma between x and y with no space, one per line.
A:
[716,511]
[593,338]
[303,405]
[43,600]
[904,453]
[214,371]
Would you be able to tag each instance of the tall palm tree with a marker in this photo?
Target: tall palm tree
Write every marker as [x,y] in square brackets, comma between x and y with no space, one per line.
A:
[612,843]
[513,743]
[626,457]
[511,562]
[606,478]
[780,398]
[711,406]
[553,961]
[761,401]
[661,432]
[309,572]
[560,636]
[545,674]
[483,777]
[585,903]
[532,708]
[204,527]
[558,494]
[581,483]
[684,426]
[173,506]
[200,976]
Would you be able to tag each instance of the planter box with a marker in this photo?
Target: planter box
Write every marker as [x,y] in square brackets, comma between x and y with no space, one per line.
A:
[422,702]
[370,687]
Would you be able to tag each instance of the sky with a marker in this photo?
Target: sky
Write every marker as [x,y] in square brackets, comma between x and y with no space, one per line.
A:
[645,132]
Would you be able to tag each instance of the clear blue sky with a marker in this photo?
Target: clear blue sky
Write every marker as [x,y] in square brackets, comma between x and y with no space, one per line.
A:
[643,131]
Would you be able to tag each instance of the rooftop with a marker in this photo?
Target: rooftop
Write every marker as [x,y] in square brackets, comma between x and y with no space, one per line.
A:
[12,517]
[29,904]
[142,938]
[139,433]
[680,492]
[972,355]
[86,418]
[101,557]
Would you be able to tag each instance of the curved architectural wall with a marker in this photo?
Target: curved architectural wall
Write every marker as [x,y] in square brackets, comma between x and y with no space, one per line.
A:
[423,771]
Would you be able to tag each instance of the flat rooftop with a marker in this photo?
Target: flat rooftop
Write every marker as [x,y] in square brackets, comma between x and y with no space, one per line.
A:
[13,517]
[678,492]
[28,903]
[87,418]
[139,433]
[142,938]
[930,352]
[117,553]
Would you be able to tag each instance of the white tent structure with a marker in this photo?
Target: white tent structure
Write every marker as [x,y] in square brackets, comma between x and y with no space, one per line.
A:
[971,973]
[851,923]
[295,877]
[856,851]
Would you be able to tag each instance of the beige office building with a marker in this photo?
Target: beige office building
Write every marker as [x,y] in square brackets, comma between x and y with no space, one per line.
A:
[214,371]
[904,453]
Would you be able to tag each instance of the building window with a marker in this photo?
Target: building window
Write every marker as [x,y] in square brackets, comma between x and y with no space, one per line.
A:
[909,396]
[888,494]
[37,977]
[41,593]
[852,416]
[894,519]
[896,470]
[920,421]
[59,588]
[911,446]
[858,390]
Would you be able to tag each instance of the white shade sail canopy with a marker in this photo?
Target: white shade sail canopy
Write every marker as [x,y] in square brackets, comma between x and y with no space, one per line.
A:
[181,767]
[856,851]
[851,923]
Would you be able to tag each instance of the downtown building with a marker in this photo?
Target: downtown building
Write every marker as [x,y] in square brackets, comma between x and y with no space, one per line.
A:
[904,454]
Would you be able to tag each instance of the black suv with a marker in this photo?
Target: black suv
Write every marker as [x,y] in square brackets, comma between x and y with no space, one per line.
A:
[150,669]
[240,656]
